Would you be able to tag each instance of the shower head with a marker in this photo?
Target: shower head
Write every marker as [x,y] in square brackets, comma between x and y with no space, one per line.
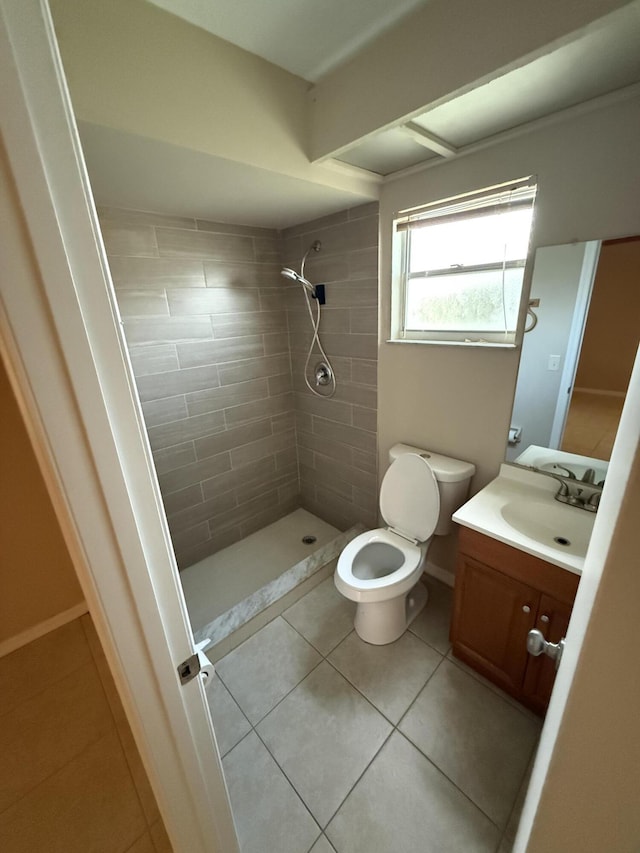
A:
[294,276]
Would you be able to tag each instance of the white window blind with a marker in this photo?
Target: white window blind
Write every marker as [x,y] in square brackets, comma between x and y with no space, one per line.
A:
[462,266]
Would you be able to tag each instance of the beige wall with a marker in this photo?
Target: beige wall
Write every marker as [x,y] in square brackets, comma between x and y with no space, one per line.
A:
[38,580]
[458,401]
[134,67]
[613,326]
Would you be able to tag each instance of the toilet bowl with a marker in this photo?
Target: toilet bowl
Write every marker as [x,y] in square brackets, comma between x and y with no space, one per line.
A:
[380,569]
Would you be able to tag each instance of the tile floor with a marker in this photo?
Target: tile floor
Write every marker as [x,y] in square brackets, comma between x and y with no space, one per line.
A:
[330,744]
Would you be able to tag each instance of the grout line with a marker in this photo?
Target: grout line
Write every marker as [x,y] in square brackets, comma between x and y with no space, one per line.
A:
[295,790]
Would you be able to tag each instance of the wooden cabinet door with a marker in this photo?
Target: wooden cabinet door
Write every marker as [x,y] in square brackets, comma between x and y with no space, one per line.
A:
[492,616]
[552,620]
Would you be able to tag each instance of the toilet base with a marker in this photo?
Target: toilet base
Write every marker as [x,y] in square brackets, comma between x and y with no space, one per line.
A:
[382,622]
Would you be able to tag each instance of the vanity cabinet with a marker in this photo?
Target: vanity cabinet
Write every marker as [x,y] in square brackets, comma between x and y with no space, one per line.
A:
[500,594]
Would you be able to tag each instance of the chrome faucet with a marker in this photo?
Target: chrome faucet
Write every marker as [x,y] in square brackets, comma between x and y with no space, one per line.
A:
[583,494]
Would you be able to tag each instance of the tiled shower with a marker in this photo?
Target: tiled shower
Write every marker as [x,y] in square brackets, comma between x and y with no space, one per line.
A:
[218,340]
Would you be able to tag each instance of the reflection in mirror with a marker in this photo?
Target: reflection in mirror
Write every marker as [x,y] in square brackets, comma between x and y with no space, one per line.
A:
[576,362]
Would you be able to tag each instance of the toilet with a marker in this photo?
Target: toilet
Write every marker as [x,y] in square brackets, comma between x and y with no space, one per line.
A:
[380,569]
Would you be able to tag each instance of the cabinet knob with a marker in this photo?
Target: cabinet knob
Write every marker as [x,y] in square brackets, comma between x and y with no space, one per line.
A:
[526,609]
[544,618]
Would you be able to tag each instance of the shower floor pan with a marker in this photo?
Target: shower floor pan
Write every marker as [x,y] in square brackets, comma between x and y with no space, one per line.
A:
[226,590]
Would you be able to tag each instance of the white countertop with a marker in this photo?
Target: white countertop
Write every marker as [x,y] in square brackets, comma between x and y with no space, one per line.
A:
[518,508]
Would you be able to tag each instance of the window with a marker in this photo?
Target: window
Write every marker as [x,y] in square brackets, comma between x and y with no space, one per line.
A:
[459,267]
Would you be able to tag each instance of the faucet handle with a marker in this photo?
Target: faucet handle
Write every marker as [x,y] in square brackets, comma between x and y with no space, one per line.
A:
[594,502]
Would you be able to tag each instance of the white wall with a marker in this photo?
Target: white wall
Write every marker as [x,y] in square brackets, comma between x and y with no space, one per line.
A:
[556,276]
[458,401]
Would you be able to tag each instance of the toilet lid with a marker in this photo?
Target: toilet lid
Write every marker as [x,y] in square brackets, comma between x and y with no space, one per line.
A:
[409,497]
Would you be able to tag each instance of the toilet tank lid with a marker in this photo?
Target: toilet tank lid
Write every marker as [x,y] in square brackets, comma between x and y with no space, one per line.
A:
[446,469]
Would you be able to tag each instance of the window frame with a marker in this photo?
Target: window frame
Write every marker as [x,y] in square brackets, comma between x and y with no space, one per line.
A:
[401,276]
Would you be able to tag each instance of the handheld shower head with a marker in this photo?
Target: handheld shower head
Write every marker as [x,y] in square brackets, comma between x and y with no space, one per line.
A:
[294,276]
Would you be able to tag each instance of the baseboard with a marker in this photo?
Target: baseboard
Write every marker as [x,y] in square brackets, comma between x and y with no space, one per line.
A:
[42,628]
[441,574]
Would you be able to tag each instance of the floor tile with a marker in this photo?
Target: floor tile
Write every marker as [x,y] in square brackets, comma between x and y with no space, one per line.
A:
[322,846]
[88,805]
[433,623]
[160,838]
[268,814]
[323,735]
[229,723]
[390,676]
[403,804]
[493,687]
[42,735]
[261,671]
[143,845]
[64,650]
[516,812]
[323,616]
[478,740]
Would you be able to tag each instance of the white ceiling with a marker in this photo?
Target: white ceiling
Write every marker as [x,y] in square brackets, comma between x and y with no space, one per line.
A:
[146,174]
[604,59]
[309,37]
[305,37]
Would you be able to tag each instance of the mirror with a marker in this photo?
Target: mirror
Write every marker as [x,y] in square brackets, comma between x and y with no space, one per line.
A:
[577,357]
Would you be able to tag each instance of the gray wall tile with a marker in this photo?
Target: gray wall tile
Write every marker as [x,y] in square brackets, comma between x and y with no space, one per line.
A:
[164,411]
[155,272]
[365,372]
[216,399]
[215,375]
[159,330]
[212,300]
[171,458]
[254,323]
[183,498]
[229,274]
[253,368]
[219,352]
[131,240]
[143,303]
[261,448]
[153,359]
[156,386]
[123,216]
[193,472]
[365,418]
[187,429]
[230,228]
[201,244]
[232,439]
[258,409]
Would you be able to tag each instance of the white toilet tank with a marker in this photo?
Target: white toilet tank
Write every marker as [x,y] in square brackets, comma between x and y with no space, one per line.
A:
[453,478]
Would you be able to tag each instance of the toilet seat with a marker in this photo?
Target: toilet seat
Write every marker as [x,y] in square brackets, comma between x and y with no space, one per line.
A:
[410,497]
[369,589]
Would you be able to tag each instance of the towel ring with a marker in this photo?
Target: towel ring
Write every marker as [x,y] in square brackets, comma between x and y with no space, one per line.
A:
[534,319]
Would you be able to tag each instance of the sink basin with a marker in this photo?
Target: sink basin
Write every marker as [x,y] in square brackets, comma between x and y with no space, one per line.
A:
[518,508]
[568,529]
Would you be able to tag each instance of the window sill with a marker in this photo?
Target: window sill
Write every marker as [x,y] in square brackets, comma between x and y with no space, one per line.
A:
[475,344]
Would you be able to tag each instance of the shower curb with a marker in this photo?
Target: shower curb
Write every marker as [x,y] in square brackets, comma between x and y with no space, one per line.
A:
[238,615]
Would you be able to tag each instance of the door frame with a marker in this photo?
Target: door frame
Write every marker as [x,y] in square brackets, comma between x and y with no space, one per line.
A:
[574,341]
[62,342]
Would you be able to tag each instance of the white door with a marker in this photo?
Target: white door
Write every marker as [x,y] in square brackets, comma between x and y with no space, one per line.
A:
[65,353]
